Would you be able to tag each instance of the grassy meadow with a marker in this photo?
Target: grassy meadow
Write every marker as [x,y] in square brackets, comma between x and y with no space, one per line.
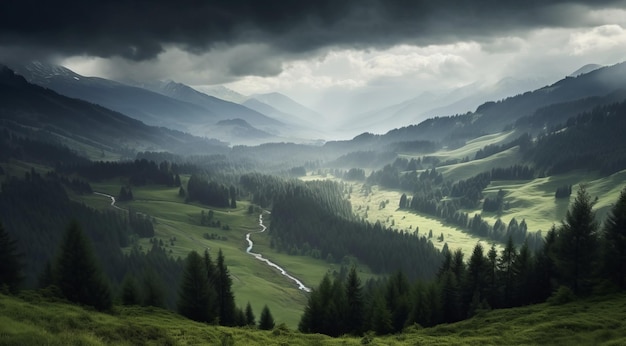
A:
[33,320]
[253,280]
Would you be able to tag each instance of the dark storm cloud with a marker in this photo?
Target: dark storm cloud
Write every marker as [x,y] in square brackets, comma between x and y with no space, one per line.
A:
[141,29]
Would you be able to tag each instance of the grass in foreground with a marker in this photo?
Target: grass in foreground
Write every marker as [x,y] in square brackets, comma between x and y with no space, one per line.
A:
[30,321]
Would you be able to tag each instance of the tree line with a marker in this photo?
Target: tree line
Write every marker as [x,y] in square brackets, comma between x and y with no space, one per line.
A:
[578,258]
[204,295]
[314,219]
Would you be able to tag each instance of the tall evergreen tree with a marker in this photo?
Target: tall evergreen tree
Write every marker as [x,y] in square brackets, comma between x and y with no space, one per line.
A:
[450,298]
[614,243]
[78,273]
[354,296]
[476,281]
[10,268]
[492,277]
[266,321]
[152,289]
[225,297]
[522,269]
[130,291]
[505,266]
[577,242]
[250,319]
[381,316]
[194,299]
[544,274]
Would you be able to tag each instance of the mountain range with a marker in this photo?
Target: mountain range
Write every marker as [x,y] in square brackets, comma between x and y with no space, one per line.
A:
[36,111]
[276,118]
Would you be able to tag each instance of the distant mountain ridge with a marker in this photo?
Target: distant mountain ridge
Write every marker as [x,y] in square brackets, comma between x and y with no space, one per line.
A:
[27,107]
[223,109]
[147,106]
[300,114]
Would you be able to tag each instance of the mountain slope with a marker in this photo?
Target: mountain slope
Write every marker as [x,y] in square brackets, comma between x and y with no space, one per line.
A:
[301,115]
[223,109]
[29,106]
[493,117]
[149,107]
[426,105]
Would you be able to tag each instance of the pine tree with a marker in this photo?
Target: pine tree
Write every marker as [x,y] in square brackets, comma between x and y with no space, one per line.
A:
[450,298]
[130,291]
[505,266]
[194,298]
[250,320]
[266,321]
[10,268]
[381,317]
[354,297]
[210,272]
[476,275]
[492,277]
[544,275]
[78,273]
[152,289]
[577,241]
[225,298]
[522,269]
[240,317]
[614,243]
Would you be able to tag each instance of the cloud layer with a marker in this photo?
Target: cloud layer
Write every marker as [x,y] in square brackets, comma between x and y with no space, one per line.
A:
[142,29]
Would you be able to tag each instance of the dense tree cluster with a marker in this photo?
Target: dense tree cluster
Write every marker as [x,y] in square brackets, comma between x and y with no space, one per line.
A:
[10,266]
[524,141]
[592,140]
[200,189]
[563,191]
[138,172]
[355,174]
[44,150]
[487,280]
[205,293]
[36,210]
[77,272]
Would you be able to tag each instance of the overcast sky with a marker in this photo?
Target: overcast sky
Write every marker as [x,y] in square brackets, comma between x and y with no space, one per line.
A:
[317,51]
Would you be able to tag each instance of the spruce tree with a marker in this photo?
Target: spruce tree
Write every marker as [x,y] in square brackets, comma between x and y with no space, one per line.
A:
[194,297]
[152,289]
[266,321]
[225,297]
[476,280]
[354,297]
[250,319]
[614,243]
[78,273]
[130,291]
[381,316]
[10,268]
[505,267]
[577,242]
[522,269]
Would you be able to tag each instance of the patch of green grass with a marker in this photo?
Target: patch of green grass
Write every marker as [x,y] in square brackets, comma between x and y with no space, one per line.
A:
[469,169]
[391,216]
[595,321]
[534,200]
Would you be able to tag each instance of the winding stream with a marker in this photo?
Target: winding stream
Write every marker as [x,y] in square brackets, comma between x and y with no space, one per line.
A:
[270,263]
[248,250]
[112,200]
